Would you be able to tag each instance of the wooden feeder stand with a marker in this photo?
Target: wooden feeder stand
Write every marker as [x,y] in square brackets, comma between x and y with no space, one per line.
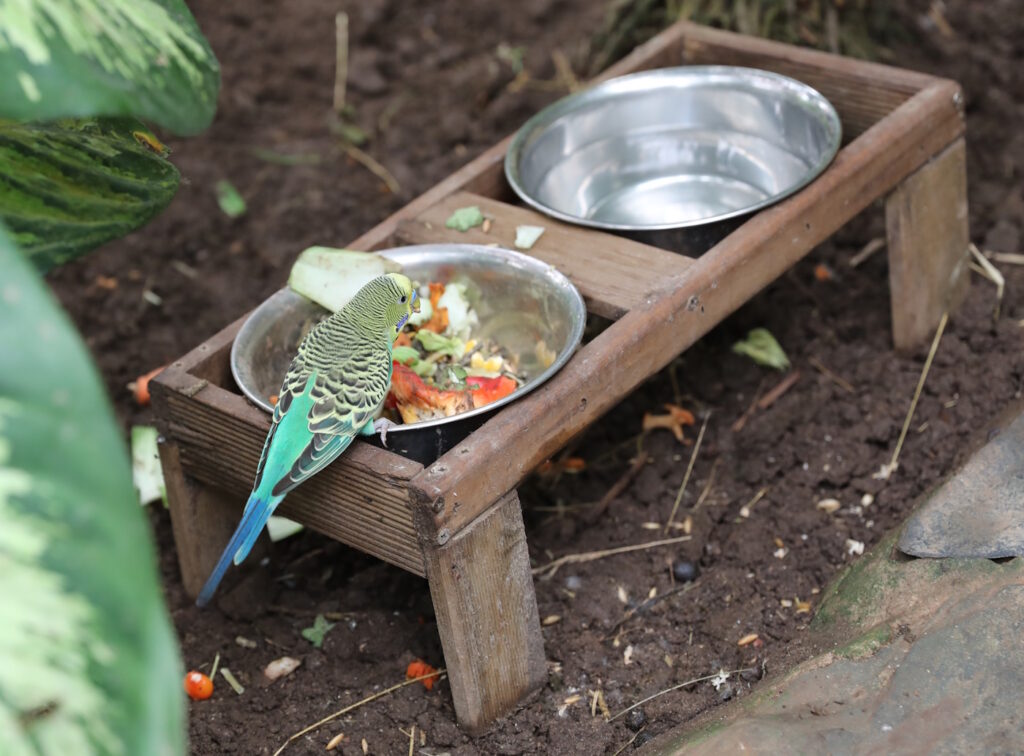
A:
[458,521]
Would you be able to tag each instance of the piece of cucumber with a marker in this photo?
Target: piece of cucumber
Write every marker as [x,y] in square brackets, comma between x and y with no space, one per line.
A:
[331,277]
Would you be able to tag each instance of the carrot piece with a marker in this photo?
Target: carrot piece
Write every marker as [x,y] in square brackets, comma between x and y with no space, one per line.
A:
[487,390]
[140,387]
[418,668]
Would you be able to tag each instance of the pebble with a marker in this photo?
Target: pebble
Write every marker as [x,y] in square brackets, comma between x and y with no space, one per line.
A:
[636,719]
[725,692]
[573,582]
[684,571]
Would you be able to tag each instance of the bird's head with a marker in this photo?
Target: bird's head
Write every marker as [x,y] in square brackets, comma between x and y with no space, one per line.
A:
[403,301]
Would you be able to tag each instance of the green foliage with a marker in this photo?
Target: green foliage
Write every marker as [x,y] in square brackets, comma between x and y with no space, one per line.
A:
[231,202]
[762,348]
[316,633]
[80,58]
[89,662]
[68,186]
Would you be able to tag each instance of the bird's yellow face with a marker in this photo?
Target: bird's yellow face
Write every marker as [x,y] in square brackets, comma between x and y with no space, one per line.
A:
[405,303]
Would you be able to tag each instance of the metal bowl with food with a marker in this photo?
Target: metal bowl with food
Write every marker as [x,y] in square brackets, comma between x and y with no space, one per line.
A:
[521,304]
[676,157]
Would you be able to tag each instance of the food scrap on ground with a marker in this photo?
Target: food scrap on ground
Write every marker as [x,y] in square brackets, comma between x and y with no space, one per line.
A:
[527,236]
[140,386]
[762,348]
[465,218]
[674,420]
[198,686]
[419,668]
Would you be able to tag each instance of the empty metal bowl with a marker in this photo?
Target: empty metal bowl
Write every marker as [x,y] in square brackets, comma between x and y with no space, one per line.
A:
[675,157]
[519,301]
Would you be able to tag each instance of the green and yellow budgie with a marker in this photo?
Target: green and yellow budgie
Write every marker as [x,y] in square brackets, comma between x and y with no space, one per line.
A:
[334,387]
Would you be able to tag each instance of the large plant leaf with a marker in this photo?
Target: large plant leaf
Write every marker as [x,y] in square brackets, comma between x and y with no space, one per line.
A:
[88,662]
[69,186]
[74,58]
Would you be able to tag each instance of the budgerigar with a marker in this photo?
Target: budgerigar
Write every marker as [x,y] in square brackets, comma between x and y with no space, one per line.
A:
[334,388]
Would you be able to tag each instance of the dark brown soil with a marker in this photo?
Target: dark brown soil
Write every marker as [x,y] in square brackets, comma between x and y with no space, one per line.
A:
[428,86]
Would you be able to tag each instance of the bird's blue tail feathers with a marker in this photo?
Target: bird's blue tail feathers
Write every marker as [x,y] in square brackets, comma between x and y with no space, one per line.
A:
[257,511]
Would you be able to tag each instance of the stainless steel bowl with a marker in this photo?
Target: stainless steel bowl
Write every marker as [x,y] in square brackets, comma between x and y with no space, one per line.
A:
[521,300]
[675,157]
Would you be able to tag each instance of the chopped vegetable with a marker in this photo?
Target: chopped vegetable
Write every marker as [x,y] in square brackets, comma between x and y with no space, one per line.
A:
[438,321]
[762,348]
[461,317]
[527,236]
[147,474]
[316,633]
[416,400]
[279,528]
[419,668]
[487,390]
[230,201]
[465,218]
[281,667]
[331,277]
[449,346]
[198,686]
[140,386]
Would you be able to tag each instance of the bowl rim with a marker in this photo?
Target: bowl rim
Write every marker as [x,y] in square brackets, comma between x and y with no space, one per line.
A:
[637,81]
[577,307]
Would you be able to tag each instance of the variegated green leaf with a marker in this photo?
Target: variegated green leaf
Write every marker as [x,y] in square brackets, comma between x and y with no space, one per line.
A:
[69,186]
[76,58]
[88,661]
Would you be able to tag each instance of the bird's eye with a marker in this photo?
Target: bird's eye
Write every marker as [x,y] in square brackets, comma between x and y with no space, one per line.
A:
[402,300]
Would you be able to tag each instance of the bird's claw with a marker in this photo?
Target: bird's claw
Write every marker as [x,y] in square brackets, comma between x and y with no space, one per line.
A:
[381,426]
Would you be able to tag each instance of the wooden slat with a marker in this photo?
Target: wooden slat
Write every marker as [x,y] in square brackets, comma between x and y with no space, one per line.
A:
[498,455]
[862,92]
[487,617]
[927,228]
[361,499]
[612,273]
[485,174]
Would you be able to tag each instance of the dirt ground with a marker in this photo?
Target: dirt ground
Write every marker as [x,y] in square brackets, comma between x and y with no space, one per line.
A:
[427,85]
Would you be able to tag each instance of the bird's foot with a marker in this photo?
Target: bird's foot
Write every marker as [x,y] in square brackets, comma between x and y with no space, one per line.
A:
[381,426]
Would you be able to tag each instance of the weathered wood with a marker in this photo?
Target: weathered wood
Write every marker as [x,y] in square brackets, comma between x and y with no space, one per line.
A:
[486,610]
[927,229]
[361,499]
[613,274]
[502,451]
[862,92]
[202,519]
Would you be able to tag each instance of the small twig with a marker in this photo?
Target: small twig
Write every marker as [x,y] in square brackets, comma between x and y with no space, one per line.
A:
[1009,258]
[647,604]
[378,170]
[340,60]
[216,663]
[232,681]
[742,420]
[564,70]
[745,509]
[839,381]
[675,687]
[866,251]
[689,470]
[412,739]
[620,485]
[551,567]
[629,742]
[991,272]
[781,388]
[890,468]
[438,674]
[707,485]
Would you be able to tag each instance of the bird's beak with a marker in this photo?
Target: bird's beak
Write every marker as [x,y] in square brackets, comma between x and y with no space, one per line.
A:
[415,303]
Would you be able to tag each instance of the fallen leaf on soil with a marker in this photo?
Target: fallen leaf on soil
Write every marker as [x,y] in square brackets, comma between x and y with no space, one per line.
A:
[281,667]
[230,201]
[418,668]
[572,699]
[803,607]
[465,218]
[319,629]
[762,348]
[673,420]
